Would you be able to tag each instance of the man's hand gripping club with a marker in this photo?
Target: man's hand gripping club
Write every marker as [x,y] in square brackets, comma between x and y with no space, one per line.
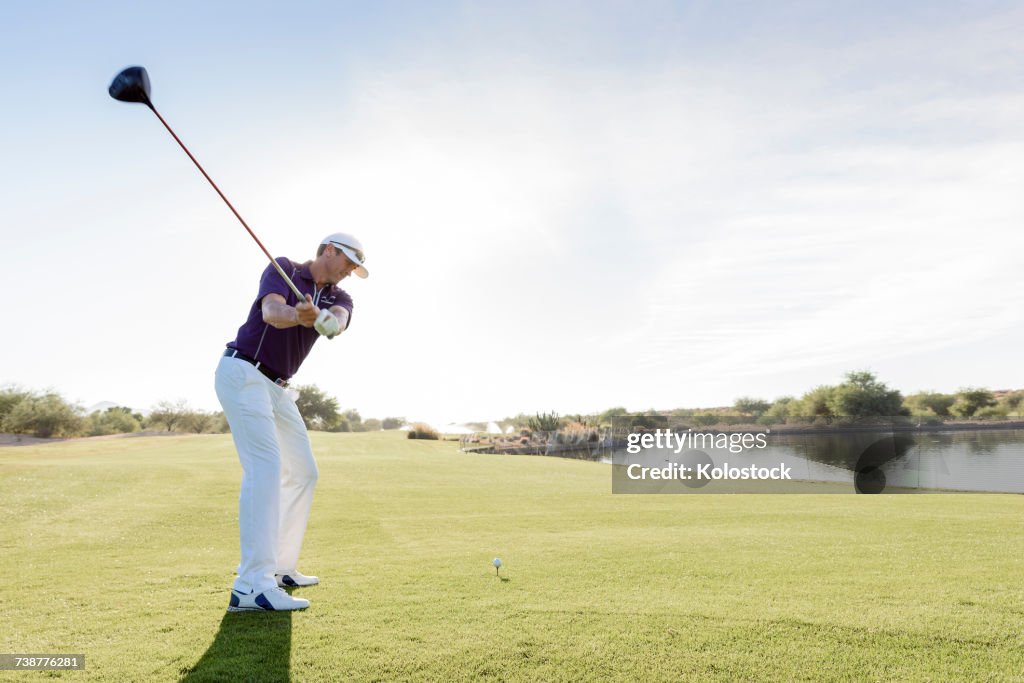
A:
[321,320]
[280,315]
[327,324]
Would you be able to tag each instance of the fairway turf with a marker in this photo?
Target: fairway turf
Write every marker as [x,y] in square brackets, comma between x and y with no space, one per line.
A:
[124,550]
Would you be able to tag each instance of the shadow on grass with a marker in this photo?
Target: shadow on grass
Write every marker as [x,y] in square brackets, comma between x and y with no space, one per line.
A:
[249,646]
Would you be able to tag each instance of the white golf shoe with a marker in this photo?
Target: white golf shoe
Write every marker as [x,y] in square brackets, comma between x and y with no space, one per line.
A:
[273,600]
[293,579]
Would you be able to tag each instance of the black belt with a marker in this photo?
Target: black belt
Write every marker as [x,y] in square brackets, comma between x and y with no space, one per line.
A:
[267,372]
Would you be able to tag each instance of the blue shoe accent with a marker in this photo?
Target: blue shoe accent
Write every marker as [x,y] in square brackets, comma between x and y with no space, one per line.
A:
[288,581]
[234,600]
[262,601]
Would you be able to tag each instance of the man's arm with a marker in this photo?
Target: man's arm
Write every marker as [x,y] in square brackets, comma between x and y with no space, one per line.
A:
[280,315]
[341,313]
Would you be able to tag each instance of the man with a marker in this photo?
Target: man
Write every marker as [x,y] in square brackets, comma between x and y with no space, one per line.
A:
[278,469]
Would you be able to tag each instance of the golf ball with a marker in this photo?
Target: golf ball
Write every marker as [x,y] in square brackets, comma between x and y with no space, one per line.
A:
[497,562]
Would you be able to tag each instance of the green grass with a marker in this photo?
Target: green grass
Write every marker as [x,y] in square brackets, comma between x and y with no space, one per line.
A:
[124,550]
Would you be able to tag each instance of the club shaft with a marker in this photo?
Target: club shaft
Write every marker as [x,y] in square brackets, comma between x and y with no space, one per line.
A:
[300,295]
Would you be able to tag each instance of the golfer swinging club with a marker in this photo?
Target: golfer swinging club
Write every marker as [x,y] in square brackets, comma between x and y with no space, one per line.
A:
[278,469]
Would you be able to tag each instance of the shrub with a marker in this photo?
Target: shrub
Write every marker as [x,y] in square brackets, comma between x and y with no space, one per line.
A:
[577,433]
[44,416]
[862,395]
[929,403]
[354,420]
[779,410]
[340,425]
[607,416]
[10,397]
[318,410]
[545,422]
[1012,402]
[220,423]
[996,411]
[422,430]
[196,422]
[970,400]
[179,417]
[117,420]
[167,415]
[745,405]
[814,403]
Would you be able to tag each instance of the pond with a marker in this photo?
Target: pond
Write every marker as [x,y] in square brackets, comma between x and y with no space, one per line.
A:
[988,460]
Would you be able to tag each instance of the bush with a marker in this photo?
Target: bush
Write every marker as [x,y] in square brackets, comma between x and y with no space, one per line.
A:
[1013,401]
[10,397]
[648,421]
[862,395]
[117,420]
[354,420]
[392,422]
[44,416]
[970,400]
[996,411]
[745,405]
[607,416]
[167,415]
[421,430]
[778,411]
[929,403]
[815,403]
[196,422]
[576,433]
[546,422]
[179,417]
[318,410]
[340,425]
[220,423]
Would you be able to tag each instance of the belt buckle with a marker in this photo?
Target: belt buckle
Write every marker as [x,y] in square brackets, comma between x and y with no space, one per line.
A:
[283,383]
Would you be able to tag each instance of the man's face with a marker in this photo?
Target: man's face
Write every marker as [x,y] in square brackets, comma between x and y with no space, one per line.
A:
[338,265]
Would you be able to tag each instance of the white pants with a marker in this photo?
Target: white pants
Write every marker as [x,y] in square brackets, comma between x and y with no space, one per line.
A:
[278,472]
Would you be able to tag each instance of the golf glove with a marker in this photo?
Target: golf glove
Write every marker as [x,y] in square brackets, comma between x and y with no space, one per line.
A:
[327,324]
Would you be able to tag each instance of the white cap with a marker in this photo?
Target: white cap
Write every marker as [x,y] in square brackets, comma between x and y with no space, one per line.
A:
[352,248]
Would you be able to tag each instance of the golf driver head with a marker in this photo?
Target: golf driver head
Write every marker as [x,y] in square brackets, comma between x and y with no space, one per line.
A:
[131,85]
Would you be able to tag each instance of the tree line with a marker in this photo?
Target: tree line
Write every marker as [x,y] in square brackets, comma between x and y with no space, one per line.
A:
[860,394]
[48,415]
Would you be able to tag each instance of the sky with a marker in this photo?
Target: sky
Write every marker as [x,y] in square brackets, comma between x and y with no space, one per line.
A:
[565,206]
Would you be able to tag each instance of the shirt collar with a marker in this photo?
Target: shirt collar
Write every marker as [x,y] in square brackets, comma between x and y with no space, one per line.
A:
[307,274]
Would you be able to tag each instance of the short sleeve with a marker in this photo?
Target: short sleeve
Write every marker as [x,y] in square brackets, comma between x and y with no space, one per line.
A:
[271,281]
[345,301]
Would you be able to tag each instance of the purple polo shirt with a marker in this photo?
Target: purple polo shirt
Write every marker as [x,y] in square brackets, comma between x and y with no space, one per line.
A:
[283,351]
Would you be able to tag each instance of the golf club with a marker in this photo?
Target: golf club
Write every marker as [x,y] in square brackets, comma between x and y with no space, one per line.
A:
[132,85]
